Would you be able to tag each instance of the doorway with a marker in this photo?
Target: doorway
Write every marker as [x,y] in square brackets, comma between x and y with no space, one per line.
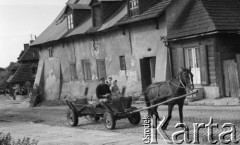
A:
[147,67]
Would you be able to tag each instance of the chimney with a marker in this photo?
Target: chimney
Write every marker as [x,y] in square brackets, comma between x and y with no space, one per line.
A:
[26,46]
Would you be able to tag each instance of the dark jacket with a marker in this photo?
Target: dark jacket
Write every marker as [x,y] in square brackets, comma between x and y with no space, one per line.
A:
[102,89]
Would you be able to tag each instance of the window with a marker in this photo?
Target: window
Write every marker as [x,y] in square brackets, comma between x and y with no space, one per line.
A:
[122,62]
[97,16]
[133,8]
[50,51]
[101,68]
[35,54]
[86,66]
[73,71]
[192,59]
[70,21]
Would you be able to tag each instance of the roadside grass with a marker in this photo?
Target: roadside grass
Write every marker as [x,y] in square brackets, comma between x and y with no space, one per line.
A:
[7,139]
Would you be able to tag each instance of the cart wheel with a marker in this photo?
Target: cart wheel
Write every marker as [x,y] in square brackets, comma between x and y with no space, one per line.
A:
[109,120]
[72,118]
[91,118]
[135,118]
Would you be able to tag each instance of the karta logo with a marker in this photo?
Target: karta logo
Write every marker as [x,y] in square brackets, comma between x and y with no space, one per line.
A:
[151,129]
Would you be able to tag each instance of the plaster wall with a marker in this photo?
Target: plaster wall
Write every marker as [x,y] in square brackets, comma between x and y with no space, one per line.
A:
[109,46]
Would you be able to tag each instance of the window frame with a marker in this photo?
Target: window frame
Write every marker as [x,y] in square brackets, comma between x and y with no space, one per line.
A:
[98,68]
[95,23]
[70,21]
[133,8]
[73,70]
[87,74]
[50,52]
[122,62]
[190,60]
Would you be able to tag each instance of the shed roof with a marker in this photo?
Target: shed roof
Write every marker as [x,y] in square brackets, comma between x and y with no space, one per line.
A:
[203,16]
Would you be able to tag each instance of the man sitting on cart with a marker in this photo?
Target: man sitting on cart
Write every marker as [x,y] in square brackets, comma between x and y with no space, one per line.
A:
[103,91]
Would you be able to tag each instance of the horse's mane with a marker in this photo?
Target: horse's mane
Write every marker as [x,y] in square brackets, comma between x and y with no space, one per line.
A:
[158,84]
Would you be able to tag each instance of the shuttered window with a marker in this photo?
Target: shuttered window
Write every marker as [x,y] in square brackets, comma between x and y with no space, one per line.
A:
[180,54]
[204,65]
[73,71]
[86,66]
[122,62]
[101,68]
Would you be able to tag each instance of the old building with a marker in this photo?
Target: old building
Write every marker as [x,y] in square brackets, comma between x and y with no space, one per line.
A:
[103,38]
[126,39]
[24,71]
[204,35]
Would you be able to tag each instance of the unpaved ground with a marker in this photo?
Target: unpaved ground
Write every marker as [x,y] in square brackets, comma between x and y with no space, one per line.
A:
[56,116]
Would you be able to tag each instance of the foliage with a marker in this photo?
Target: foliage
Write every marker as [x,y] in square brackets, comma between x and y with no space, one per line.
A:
[6,139]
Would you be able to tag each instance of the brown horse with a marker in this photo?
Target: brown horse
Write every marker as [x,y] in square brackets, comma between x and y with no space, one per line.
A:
[162,91]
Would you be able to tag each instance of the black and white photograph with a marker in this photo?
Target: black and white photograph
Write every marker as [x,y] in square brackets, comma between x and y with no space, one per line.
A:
[119,72]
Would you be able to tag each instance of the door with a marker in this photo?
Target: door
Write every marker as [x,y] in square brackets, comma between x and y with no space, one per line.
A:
[193,61]
[231,78]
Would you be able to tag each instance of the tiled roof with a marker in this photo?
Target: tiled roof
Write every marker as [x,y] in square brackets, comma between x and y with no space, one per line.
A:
[224,13]
[28,54]
[151,12]
[203,16]
[22,74]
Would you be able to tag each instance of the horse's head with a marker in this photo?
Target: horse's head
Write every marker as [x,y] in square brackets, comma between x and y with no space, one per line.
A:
[186,78]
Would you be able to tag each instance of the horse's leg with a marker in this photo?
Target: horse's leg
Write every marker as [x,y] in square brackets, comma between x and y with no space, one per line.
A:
[155,112]
[180,107]
[170,108]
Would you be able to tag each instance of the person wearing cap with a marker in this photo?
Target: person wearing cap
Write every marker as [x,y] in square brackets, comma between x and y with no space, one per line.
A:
[109,81]
[103,91]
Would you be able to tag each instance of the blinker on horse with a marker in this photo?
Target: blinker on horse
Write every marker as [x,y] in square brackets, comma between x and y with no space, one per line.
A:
[163,91]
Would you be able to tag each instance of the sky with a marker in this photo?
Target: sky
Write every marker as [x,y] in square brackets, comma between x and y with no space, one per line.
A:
[21,18]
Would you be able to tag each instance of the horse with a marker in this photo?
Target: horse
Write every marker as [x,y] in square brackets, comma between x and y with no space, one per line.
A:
[162,91]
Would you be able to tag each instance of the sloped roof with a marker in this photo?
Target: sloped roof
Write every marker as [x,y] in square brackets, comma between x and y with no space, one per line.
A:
[82,28]
[28,54]
[225,14]
[151,12]
[55,31]
[203,16]
[58,28]
[22,74]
